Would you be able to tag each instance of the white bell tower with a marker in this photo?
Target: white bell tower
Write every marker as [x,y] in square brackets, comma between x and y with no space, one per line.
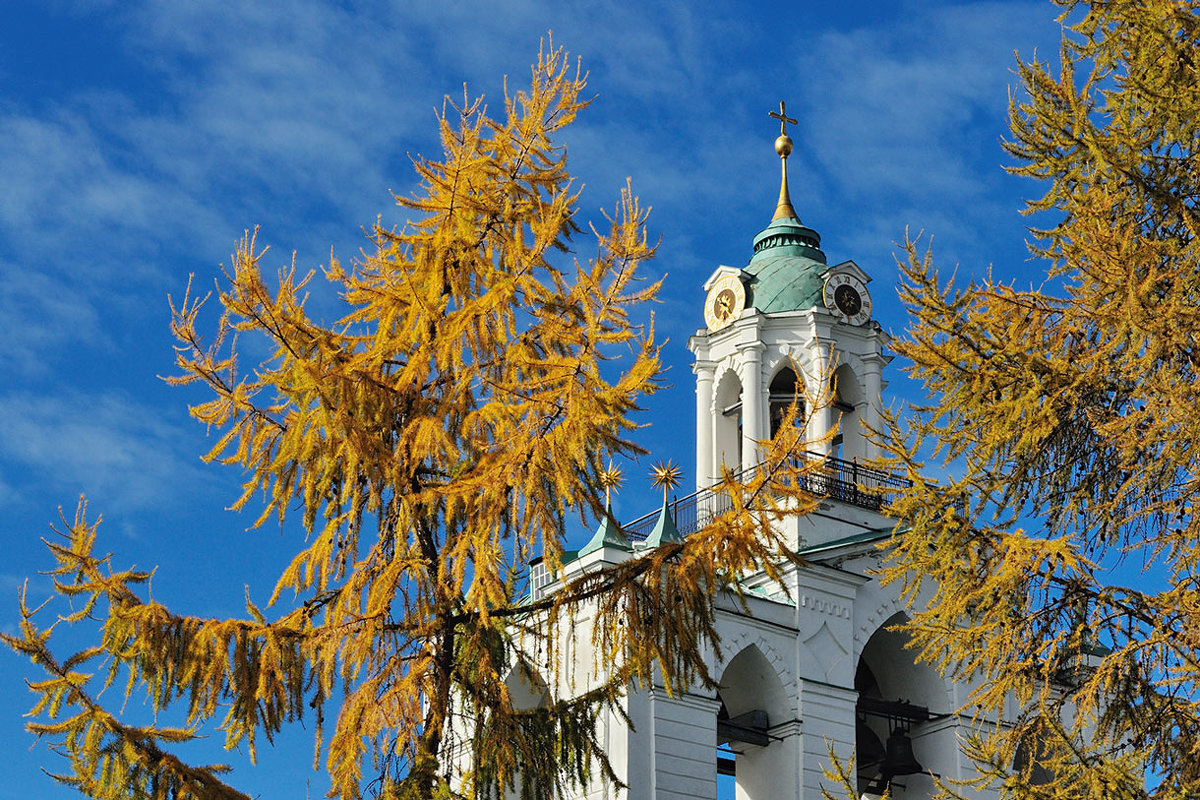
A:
[786,317]
[810,661]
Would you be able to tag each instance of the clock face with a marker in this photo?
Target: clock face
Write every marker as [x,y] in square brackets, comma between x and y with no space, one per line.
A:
[847,299]
[726,300]
[846,296]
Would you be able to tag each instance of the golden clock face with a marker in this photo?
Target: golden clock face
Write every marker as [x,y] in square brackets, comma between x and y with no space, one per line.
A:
[723,305]
[846,296]
[726,300]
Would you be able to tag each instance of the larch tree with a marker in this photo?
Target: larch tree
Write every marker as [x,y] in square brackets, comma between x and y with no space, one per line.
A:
[1064,559]
[430,444]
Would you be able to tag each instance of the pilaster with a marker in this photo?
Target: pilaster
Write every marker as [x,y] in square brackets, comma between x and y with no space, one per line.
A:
[828,714]
[753,401]
[705,433]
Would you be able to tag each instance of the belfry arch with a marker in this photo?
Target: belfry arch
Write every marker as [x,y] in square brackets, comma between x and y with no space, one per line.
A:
[727,423]
[899,741]
[754,705]
[848,401]
[785,388]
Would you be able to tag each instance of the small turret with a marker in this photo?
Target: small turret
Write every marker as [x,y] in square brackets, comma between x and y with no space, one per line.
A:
[608,534]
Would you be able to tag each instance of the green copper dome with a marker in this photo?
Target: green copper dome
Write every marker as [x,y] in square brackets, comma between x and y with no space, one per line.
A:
[786,267]
[785,271]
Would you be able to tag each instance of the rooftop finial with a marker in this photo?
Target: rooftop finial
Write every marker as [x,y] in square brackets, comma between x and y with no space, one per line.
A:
[783,146]
[610,479]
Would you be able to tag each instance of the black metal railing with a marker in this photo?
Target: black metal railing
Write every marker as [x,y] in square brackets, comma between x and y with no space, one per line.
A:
[824,476]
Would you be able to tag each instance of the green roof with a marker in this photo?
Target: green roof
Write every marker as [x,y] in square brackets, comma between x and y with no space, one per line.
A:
[664,529]
[607,535]
[786,268]
[872,535]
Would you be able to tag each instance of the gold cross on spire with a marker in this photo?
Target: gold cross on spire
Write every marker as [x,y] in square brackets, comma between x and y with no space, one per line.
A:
[783,118]
[783,147]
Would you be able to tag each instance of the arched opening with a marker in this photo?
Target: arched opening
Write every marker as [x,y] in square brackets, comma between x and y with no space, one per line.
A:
[786,388]
[754,703]
[1030,760]
[728,424]
[850,442]
[527,691]
[900,738]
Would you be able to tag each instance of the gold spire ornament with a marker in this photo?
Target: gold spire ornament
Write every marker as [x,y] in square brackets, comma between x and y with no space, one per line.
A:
[610,479]
[783,146]
[666,475]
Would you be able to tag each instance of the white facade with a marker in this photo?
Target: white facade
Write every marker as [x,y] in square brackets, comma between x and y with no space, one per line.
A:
[804,658]
[813,667]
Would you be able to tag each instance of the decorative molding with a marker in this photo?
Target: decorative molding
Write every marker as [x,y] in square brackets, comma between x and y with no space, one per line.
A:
[747,637]
[882,608]
[827,652]
[825,606]
[752,347]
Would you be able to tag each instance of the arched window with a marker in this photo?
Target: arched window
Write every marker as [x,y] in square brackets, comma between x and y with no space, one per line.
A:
[527,691]
[786,388]
[728,408]
[753,702]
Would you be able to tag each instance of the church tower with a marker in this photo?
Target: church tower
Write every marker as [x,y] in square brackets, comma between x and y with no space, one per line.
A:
[810,659]
[786,326]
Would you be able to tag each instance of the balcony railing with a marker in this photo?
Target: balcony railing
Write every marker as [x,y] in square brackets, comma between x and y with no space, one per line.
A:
[826,476]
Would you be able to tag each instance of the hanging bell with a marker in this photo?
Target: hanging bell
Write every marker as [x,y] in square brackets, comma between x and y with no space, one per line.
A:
[868,749]
[899,759]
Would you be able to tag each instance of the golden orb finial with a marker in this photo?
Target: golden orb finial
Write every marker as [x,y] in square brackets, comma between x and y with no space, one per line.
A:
[783,147]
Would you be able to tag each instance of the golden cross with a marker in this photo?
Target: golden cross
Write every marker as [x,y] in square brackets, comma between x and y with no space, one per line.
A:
[783,118]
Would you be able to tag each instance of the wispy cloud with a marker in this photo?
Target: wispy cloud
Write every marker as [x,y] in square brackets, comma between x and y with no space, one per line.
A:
[111,448]
[912,110]
[42,314]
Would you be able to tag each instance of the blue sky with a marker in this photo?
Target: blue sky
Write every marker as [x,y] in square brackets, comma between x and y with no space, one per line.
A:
[139,139]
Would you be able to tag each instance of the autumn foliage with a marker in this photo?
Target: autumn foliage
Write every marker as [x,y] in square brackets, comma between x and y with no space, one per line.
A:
[1063,557]
[431,443]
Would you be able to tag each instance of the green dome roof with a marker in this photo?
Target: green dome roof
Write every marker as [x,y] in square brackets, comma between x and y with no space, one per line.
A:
[786,268]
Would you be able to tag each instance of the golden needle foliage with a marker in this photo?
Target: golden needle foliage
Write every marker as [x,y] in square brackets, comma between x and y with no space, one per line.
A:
[432,443]
[1074,409]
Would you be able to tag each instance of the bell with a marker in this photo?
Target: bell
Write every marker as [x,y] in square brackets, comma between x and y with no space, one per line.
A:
[869,756]
[868,750]
[899,759]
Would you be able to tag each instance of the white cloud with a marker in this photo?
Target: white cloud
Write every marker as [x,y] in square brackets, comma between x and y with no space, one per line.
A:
[110,448]
[247,113]
[61,183]
[897,109]
[42,314]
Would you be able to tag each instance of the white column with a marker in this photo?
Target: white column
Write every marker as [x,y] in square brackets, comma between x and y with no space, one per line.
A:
[773,771]
[821,419]
[828,713]
[683,748]
[704,423]
[752,404]
[872,416]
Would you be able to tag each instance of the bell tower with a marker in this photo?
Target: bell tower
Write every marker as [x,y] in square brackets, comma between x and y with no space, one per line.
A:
[810,659]
[786,326]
